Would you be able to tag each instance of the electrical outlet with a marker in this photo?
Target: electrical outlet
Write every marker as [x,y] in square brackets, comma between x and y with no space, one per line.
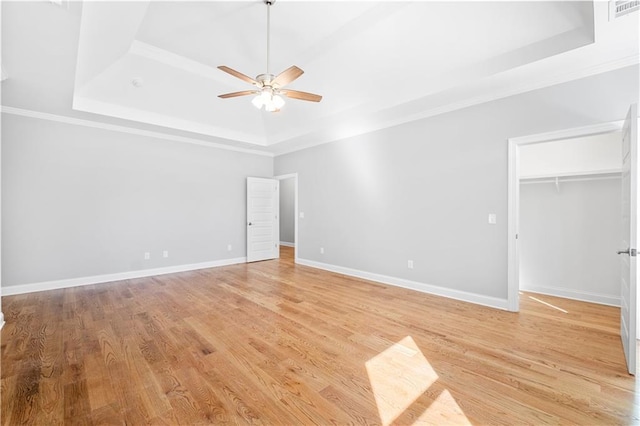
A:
[147,255]
[165,253]
[410,264]
[321,250]
[229,248]
[301,215]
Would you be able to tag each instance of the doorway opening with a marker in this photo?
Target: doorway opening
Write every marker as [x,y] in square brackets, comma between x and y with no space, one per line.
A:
[517,175]
[289,212]
[570,218]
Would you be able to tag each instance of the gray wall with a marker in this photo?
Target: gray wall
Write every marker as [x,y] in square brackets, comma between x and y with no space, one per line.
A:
[287,210]
[568,239]
[80,201]
[423,190]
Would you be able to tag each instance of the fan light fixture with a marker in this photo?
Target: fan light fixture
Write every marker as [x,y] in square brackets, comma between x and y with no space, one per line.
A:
[269,88]
[267,99]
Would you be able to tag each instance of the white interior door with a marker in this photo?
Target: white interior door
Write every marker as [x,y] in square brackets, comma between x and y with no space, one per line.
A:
[628,256]
[263,224]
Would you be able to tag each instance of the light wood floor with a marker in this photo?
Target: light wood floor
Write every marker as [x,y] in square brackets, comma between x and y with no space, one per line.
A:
[277,343]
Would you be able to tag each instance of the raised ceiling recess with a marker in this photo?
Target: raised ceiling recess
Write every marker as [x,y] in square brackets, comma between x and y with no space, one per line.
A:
[377,64]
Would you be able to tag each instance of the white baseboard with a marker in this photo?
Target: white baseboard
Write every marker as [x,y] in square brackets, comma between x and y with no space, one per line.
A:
[567,293]
[1,320]
[97,279]
[286,244]
[464,296]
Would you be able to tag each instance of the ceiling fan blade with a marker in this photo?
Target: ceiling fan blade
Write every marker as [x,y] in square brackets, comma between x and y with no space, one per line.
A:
[238,74]
[303,96]
[287,76]
[236,94]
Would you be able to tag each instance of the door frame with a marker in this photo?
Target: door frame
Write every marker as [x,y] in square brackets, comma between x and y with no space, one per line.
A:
[513,197]
[296,240]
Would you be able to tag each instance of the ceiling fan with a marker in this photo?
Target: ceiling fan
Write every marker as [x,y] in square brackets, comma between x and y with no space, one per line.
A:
[269,87]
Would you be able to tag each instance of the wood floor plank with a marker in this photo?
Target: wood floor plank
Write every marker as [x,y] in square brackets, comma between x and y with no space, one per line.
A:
[278,343]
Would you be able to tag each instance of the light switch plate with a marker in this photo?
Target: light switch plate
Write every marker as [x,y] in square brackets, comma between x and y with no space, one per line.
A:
[492,218]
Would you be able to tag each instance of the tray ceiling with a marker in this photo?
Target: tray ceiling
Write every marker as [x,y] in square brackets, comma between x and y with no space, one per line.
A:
[376,64]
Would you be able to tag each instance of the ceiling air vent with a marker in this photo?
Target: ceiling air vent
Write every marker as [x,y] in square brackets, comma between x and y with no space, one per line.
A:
[618,8]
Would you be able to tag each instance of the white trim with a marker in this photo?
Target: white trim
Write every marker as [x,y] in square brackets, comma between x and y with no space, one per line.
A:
[286,244]
[492,302]
[574,132]
[568,293]
[469,102]
[513,257]
[513,196]
[130,130]
[98,279]
[287,176]
[134,114]
[293,176]
[296,237]
[4,77]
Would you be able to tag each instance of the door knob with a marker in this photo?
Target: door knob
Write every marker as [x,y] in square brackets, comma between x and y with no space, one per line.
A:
[250,223]
[629,251]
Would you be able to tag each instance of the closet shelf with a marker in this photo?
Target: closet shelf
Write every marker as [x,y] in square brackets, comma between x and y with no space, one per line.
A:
[568,177]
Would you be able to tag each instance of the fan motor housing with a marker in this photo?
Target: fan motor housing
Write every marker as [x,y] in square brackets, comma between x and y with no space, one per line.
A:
[265,79]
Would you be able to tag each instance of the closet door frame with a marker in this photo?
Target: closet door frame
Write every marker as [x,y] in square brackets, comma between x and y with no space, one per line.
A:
[513,197]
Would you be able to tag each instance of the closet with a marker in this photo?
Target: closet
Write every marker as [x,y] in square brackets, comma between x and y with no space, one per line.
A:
[570,218]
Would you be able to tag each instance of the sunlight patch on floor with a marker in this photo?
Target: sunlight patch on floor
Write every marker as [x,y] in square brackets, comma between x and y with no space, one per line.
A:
[443,411]
[547,304]
[399,376]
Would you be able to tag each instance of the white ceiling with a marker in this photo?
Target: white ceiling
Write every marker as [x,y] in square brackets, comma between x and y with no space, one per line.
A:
[376,64]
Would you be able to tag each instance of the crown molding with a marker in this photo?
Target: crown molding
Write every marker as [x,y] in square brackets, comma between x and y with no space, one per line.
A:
[458,105]
[127,113]
[129,130]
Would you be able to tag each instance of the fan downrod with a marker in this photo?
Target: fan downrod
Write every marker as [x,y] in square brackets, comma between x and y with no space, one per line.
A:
[268,86]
